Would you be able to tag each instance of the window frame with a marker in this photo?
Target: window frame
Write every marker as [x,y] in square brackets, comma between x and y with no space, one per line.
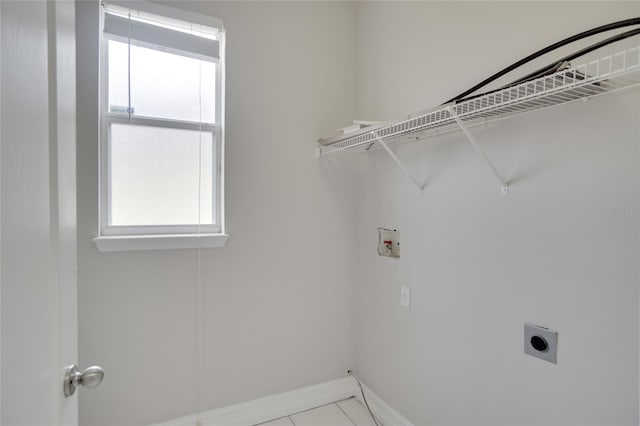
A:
[108,232]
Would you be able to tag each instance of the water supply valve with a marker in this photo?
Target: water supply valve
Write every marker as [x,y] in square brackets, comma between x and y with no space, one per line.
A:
[388,242]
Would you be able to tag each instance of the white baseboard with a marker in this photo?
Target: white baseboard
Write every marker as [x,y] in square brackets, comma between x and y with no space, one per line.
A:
[381,410]
[283,404]
[273,406]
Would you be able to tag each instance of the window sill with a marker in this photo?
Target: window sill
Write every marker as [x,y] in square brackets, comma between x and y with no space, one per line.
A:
[159,242]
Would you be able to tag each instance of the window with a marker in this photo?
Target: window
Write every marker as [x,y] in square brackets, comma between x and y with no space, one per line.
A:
[161,144]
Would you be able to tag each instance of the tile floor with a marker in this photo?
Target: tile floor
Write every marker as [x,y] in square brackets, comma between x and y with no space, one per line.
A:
[348,412]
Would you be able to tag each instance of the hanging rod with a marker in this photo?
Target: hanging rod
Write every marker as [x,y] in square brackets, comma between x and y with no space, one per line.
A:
[608,74]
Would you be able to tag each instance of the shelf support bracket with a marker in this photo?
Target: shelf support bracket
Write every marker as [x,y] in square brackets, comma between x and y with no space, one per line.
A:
[472,139]
[400,164]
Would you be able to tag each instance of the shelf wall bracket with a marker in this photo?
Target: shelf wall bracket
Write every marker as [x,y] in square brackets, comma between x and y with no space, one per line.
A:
[503,183]
[400,164]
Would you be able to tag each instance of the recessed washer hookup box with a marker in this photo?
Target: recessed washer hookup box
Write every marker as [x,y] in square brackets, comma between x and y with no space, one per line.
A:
[541,342]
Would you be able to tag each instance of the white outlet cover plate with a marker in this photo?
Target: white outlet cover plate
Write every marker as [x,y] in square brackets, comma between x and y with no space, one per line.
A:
[549,336]
[405,297]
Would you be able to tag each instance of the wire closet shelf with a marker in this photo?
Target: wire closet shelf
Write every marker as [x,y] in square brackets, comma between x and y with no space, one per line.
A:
[608,74]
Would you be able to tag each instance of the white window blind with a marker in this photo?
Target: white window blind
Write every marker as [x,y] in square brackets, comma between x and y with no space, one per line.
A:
[128,30]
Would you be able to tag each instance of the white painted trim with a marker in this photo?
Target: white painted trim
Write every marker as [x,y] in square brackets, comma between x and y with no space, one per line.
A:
[220,120]
[168,237]
[272,407]
[159,242]
[381,410]
[1,216]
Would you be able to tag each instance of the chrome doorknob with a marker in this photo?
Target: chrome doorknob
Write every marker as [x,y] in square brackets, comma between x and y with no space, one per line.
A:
[89,378]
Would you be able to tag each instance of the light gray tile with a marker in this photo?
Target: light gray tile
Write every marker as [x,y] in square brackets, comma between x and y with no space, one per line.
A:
[327,415]
[282,421]
[357,412]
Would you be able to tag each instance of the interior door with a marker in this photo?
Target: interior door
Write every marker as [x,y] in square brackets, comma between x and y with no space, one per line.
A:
[38,306]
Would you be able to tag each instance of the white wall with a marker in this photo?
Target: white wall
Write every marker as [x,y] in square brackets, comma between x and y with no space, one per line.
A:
[279,297]
[480,264]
